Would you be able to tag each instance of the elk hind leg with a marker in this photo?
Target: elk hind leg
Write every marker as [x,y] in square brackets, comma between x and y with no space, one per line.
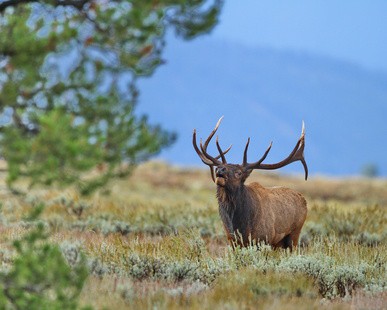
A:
[286,242]
[294,236]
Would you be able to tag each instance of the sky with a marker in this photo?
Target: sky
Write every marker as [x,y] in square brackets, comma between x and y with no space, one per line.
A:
[349,36]
[350,30]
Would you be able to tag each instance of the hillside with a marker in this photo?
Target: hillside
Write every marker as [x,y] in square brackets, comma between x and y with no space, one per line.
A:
[265,94]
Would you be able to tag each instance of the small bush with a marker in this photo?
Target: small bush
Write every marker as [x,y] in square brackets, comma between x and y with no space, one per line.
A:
[368,239]
[40,277]
[333,280]
[141,267]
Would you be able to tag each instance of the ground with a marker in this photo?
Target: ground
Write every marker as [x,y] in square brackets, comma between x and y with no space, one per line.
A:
[155,240]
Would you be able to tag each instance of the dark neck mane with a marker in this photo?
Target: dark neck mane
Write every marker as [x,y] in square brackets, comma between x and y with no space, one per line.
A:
[230,197]
[232,203]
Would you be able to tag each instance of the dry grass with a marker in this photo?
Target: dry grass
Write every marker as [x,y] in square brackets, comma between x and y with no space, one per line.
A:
[156,241]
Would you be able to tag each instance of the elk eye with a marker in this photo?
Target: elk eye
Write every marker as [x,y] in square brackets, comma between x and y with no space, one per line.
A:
[238,174]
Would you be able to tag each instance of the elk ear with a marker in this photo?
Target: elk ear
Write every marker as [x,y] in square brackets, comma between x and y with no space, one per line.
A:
[247,173]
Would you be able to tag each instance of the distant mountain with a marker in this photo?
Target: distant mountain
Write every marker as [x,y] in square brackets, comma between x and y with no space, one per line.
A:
[265,94]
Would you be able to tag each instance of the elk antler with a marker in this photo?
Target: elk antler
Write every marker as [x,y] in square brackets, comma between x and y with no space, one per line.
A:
[295,155]
[202,152]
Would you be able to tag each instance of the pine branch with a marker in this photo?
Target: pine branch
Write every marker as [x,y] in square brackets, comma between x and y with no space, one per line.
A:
[78,4]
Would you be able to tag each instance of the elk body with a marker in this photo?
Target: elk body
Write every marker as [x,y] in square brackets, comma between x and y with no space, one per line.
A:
[253,213]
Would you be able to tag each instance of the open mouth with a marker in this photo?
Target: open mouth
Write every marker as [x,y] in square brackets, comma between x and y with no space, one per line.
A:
[220,179]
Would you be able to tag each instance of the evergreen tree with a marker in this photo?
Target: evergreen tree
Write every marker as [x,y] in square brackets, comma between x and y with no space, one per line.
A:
[68,71]
[40,277]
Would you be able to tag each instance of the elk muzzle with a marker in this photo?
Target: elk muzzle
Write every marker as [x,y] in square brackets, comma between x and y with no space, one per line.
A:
[220,176]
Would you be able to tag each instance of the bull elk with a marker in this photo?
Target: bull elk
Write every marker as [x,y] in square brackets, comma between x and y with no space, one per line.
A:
[253,213]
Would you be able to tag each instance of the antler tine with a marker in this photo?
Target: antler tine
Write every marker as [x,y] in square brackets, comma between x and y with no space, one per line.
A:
[248,166]
[257,164]
[212,133]
[204,146]
[301,151]
[225,152]
[299,155]
[202,152]
[245,152]
[202,157]
[215,162]
[220,151]
[217,157]
[212,173]
[295,155]
[266,152]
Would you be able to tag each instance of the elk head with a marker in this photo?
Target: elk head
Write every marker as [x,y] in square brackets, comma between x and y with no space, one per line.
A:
[232,176]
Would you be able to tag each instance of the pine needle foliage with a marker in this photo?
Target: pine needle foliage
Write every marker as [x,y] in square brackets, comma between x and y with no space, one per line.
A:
[40,277]
[68,76]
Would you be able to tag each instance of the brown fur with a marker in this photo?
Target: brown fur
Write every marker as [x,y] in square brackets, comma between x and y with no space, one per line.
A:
[252,213]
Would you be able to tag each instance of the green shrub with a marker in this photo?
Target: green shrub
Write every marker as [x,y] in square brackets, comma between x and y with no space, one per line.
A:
[40,278]
[369,239]
[332,279]
[142,266]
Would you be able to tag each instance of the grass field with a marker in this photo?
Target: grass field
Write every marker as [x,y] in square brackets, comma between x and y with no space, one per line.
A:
[155,241]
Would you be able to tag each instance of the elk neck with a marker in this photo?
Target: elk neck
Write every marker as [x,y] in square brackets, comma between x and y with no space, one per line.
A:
[229,197]
[237,209]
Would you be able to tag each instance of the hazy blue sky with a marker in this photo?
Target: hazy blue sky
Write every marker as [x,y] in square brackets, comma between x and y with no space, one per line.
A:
[279,70]
[352,30]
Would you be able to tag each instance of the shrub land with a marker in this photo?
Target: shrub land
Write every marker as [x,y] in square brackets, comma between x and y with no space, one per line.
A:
[155,240]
